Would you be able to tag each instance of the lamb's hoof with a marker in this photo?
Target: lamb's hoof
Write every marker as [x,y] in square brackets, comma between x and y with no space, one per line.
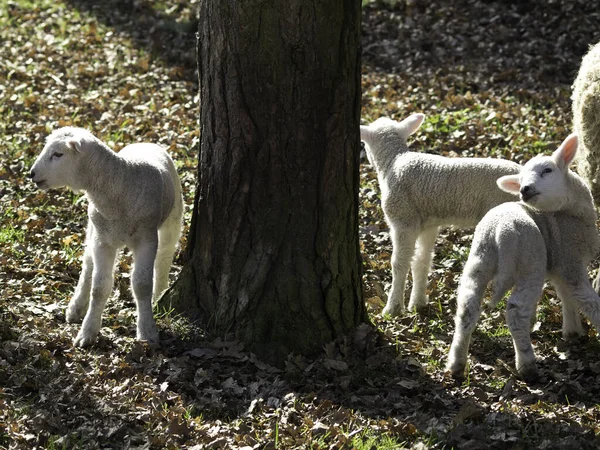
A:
[148,334]
[457,370]
[574,336]
[84,339]
[418,305]
[73,314]
[393,310]
[529,373]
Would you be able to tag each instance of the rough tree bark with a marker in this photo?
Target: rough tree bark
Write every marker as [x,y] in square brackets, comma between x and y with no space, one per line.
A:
[273,245]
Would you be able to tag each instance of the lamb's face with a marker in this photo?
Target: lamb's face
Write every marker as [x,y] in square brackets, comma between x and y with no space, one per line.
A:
[56,166]
[543,184]
[544,181]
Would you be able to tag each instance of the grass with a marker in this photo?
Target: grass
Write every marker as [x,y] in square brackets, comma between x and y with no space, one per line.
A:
[452,122]
[11,235]
[371,440]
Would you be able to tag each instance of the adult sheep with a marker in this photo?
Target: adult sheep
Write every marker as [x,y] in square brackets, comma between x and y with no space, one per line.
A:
[586,113]
[586,122]
[135,201]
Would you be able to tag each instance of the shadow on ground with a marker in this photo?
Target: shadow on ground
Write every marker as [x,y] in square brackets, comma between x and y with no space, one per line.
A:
[164,34]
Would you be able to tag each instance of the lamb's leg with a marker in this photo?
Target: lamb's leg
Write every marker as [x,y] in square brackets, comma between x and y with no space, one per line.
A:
[102,282]
[520,309]
[81,298]
[472,286]
[571,327]
[597,283]
[403,242]
[144,254]
[583,294]
[168,236]
[421,266]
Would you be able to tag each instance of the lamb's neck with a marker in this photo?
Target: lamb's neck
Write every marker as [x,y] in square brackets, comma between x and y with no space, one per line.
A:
[581,204]
[385,156]
[584,212]
[104,174]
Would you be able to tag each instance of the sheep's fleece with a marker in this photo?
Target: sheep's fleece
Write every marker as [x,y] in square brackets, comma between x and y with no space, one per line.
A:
[134,201]
[421,192]
[586,119]
[551,233]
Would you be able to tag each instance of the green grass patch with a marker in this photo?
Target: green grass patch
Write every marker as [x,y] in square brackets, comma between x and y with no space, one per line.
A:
[10,235]
[449,122]
[377,443]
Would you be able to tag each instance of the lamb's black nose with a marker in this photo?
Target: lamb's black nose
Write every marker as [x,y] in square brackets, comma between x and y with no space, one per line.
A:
[527,192]
[31,174]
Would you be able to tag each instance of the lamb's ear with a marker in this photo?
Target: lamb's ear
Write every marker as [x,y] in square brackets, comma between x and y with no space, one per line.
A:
[510,184]
[412,123]
[566,152]
[365,133]
[75,144]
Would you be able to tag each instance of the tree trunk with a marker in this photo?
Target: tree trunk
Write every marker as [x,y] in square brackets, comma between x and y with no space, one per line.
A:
[273,245]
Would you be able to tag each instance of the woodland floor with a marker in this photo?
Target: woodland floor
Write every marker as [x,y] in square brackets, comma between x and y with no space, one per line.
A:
[492,77]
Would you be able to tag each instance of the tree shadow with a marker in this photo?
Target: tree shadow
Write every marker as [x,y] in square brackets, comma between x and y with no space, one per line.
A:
[366,381]
[165,35]
[494,44]
[368,375]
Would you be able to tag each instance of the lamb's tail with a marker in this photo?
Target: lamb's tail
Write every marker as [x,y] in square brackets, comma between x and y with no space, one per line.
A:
[500,286]
[504,271]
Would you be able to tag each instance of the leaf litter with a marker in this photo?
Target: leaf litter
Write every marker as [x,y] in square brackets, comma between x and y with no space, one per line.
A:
[492,77]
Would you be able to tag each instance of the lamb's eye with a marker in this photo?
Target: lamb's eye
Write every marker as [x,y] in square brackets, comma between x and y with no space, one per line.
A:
[56,155]
[546,170]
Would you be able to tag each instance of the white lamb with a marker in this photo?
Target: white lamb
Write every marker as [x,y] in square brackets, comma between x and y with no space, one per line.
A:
[134,201]
[421,192]
[551,233]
